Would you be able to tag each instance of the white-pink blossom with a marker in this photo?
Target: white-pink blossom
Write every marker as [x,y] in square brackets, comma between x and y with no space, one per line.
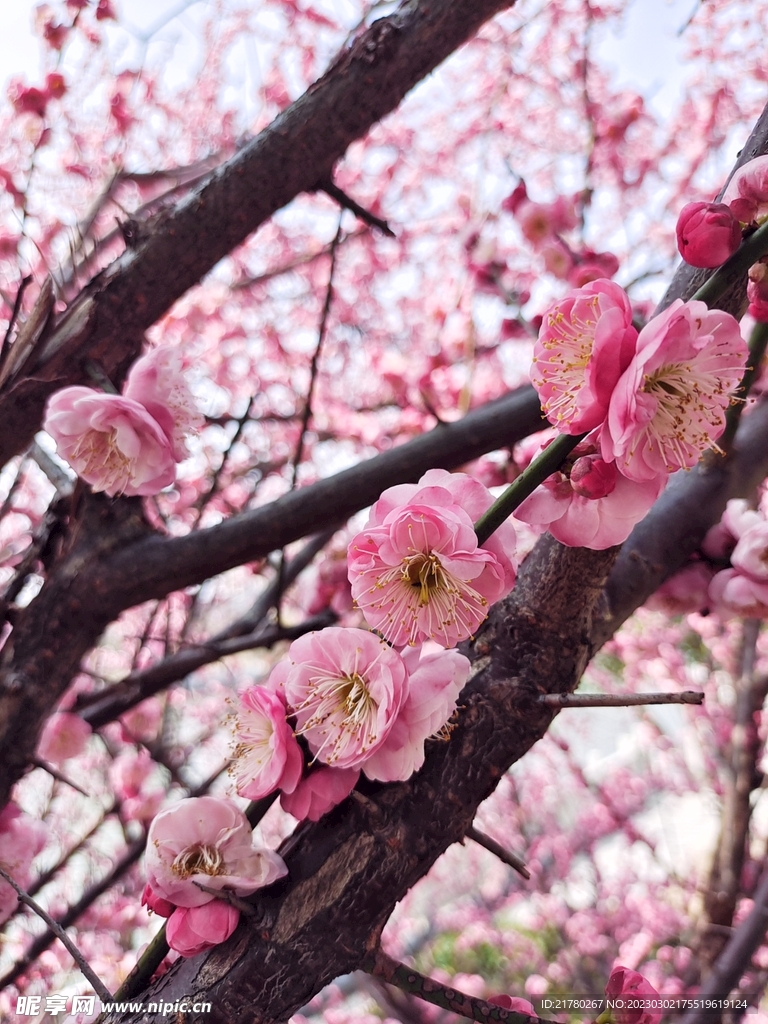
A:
[669,404]
[585,343]
[112,442]
[346,687]
[206,840]
[435,682]
[267,756]
[417,571]
[157,381]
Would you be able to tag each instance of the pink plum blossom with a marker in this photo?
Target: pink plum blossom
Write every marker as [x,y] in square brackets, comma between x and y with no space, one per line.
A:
[416,570]
[669,405]
[737,519]
[585,343]
[747,191]
[750,556]
[64,735]
[345,687]
[21,839]
[157,381]
[192,930]
[435,682]
[112,442]
[591,266]
[707,234]
[207,840]
[632,986]
[685,591]
[267,755]
[319,792]
[589,503]
[734,593]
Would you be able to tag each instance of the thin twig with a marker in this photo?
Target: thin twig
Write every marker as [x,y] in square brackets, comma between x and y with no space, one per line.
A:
[498,850]
[618,700]
[307,414]
[380,965]
[202,502]
[348,203]
[99,708]
[98,986]
[23,284]
[59,776]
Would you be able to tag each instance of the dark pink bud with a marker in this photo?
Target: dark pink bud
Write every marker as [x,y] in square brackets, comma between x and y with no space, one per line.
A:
[593,478]
[29,101]
[55,86]
[155,903]
[515,198]
[707,234]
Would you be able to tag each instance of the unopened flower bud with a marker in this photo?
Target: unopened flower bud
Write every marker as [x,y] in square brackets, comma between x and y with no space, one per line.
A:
[593,478]
[707,234]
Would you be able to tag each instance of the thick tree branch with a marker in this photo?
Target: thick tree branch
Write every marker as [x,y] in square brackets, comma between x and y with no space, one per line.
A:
[177,247]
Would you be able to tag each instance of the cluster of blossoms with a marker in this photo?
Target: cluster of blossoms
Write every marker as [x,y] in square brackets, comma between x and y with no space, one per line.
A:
[650,402]
[543,225]
[365,704]
[708,233]
[127,444]
[199,851]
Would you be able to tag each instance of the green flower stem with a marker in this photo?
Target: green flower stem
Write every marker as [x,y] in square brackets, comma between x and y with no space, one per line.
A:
[98,375]
[145,967]
[542,466]
[749,252]
[410,981]
[758,341]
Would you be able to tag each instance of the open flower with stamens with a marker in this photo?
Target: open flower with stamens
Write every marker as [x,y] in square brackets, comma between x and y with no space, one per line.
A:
[112,442]
[206,840]
[267,756]
[416,570]
[669,405]
[585,343]
[345,687]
